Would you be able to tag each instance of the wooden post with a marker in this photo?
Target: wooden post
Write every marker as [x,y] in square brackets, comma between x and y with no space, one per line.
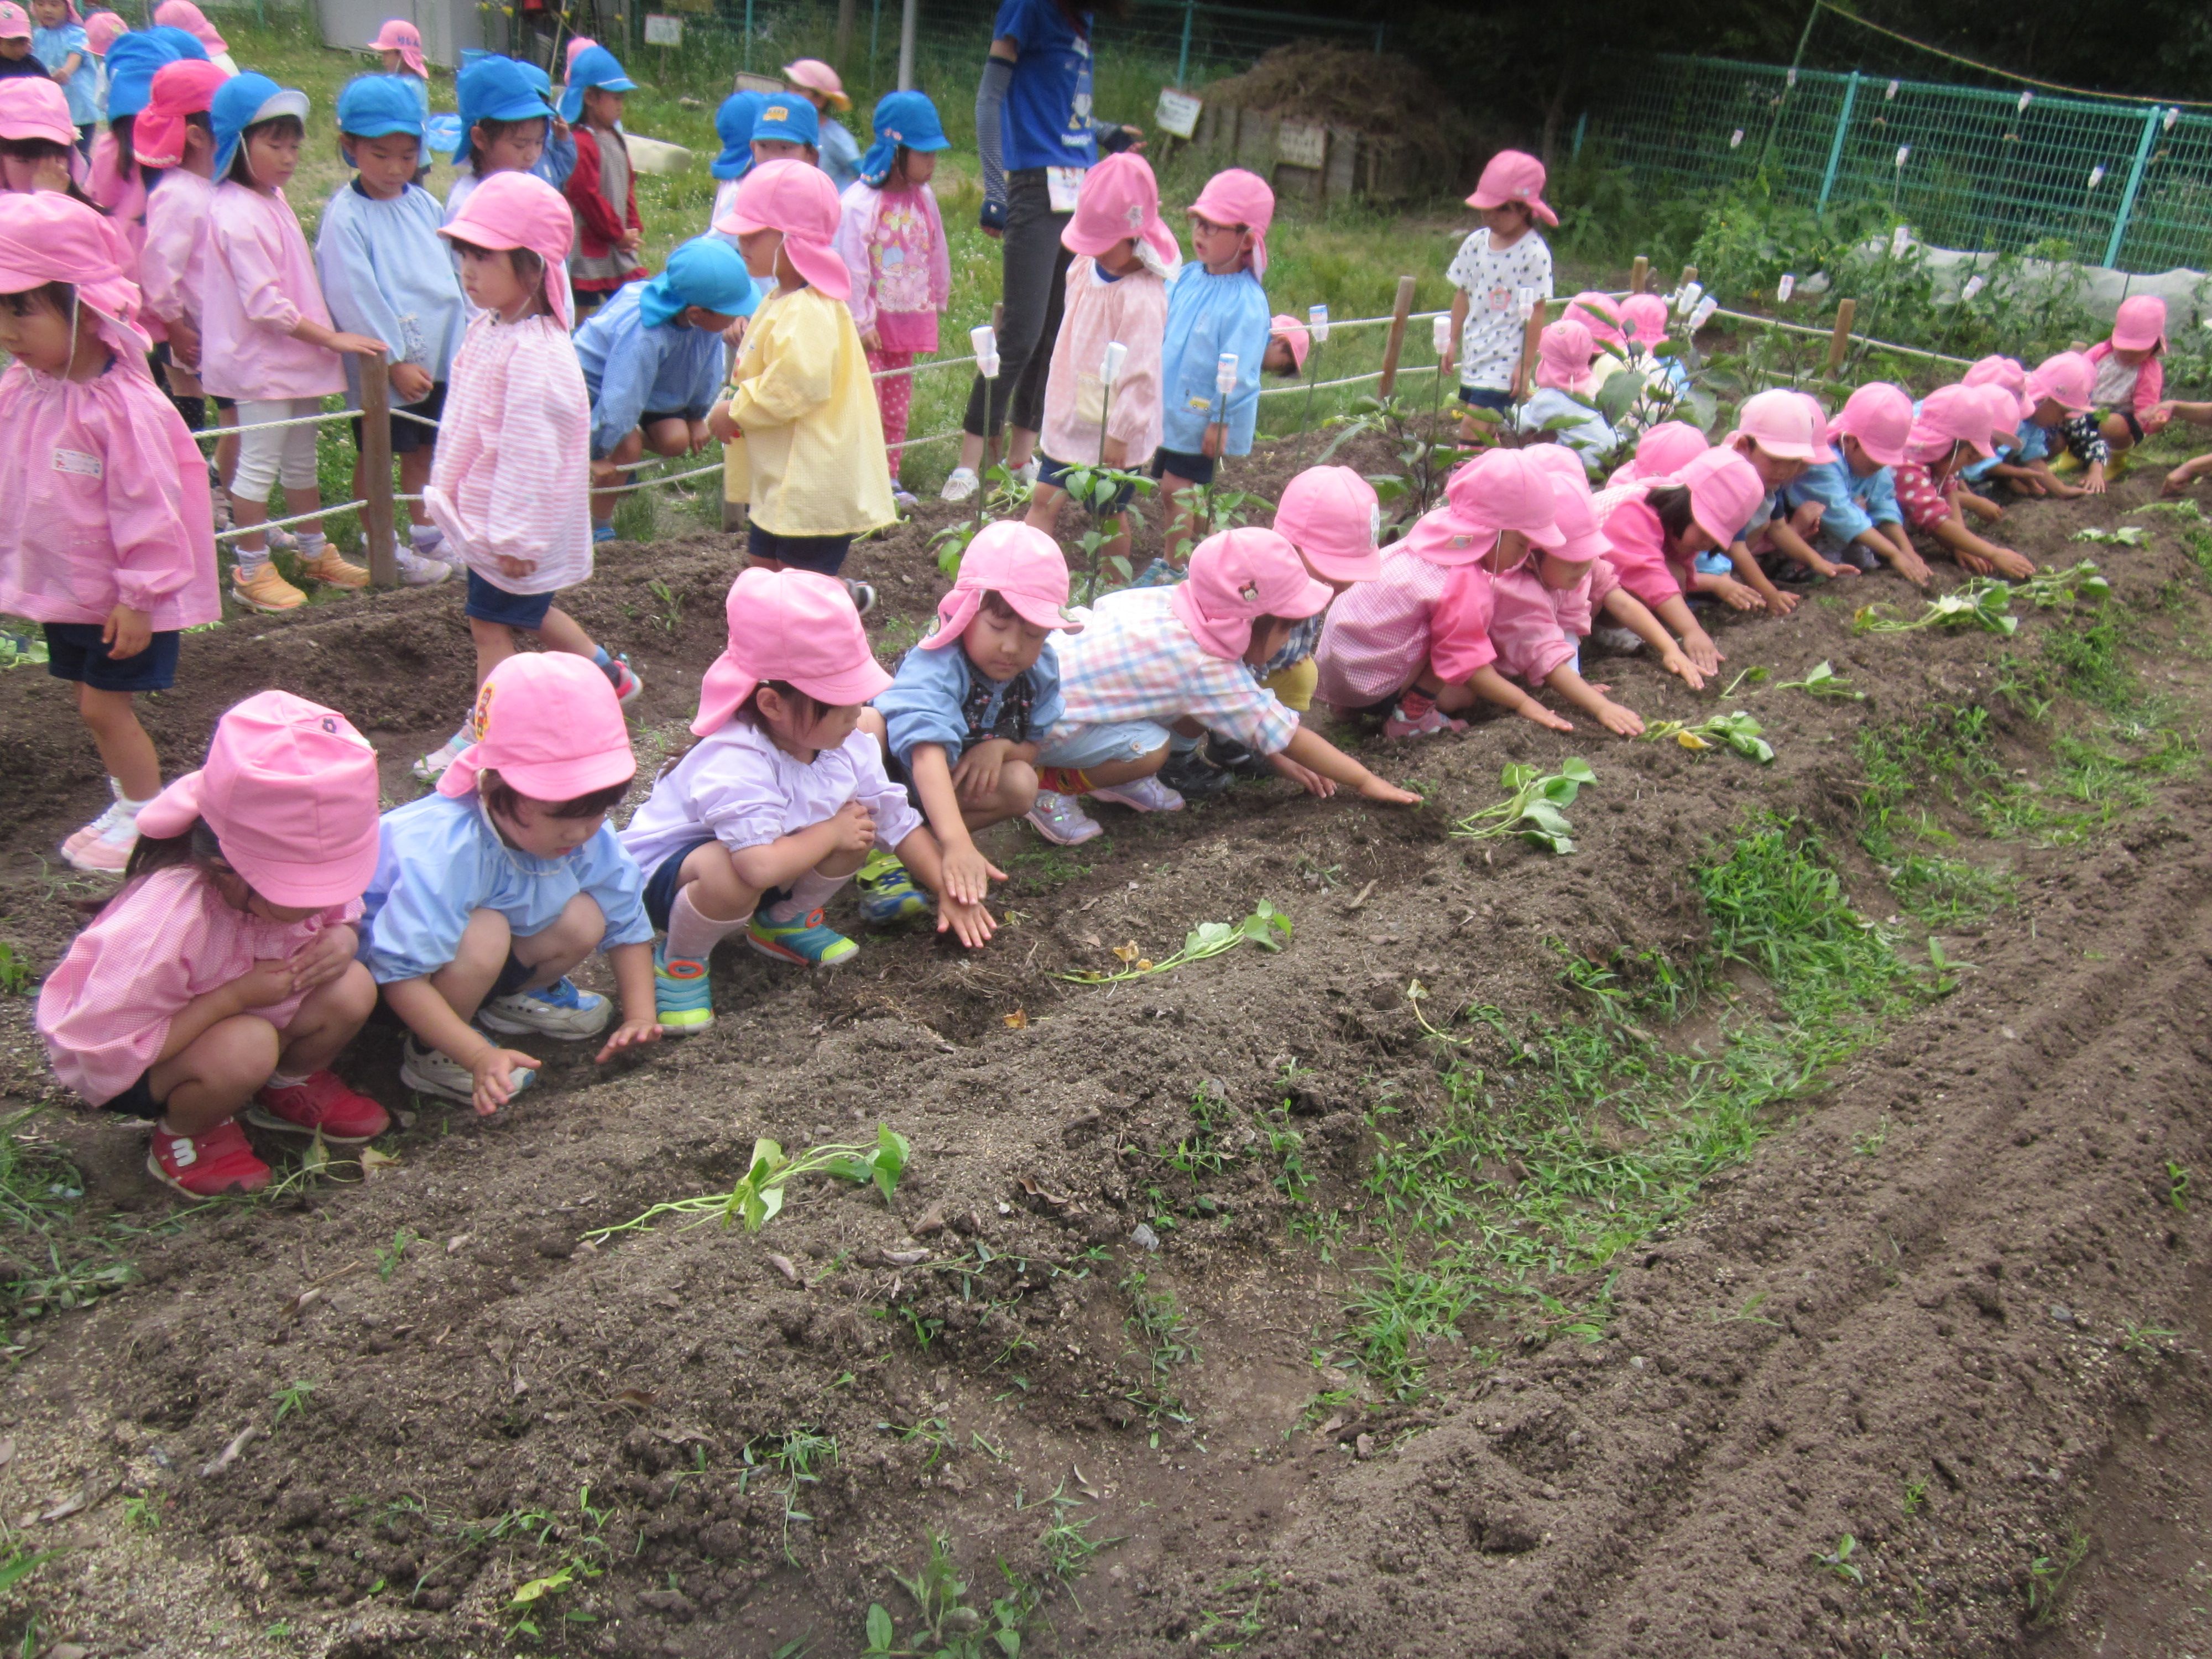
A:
[846,19]
[376,526]
[1638,274]
[1396,342]
[1839,343]
[1689,276]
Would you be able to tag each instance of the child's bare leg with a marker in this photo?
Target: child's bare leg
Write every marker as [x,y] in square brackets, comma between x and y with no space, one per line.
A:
[562,632]
[2114,429]
[608,474]
[125,748]
[1487,685]
[226,449]
[552,951]
[1015,794]
[495,643]
[718,893]
[1108,773]
[2186,474]
[309,499]
[219,1071]
[1021,444]
[1044,508]
[466,981]
[330,1016]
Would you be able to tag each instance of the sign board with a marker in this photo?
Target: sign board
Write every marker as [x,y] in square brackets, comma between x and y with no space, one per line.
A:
[663,31]
[1302,146]
[1177,112]
[769,84]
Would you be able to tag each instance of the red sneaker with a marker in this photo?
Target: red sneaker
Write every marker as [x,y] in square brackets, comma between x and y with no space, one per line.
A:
[206,1165]
[346,1117]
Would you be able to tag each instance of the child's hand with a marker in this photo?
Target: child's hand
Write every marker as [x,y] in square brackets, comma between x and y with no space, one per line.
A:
[970,923]
[1779,603]
[1532,710]
[127,632]
[357,345]
[976,778]
[493,1088]
[1699,648]
[263,985]
[968,875]
[1304,776]
[628,1035]
[511,566]
[1210,446]
[856,829]
[872,340]
[734,335]
[630,239]
[185,344]
[2160,416]
[2093,480]
[1910,566]
[1621,722]
[700,436]
[2180,479]
[1735,594]
[2012,566]
[411,382]
[1834,571]
[1389,793]
[323,957]
[720,423]
[1683,669]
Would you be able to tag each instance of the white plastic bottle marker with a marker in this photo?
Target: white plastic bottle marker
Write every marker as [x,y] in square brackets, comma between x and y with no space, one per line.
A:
[1317,324]
[1110,370]
[1525,301]
[1975,284]
[2096,176]
[984,341]
[1900,239]
[1785,288]
[2026,99]
[1704,313]
[1735,139]
[1903,151]
[1440,331]
[1687,301]
[1224,374]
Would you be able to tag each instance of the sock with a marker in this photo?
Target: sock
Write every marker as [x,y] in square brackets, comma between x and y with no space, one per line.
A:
[1414,703]
[692,935]
[251,559]
[809,893]
[1064,780]
[313,545]
[284,1080]
[1179,745]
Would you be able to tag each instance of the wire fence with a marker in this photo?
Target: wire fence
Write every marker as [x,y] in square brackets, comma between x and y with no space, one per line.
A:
[2124,185]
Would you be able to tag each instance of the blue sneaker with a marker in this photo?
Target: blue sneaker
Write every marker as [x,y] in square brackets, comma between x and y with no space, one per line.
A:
[603,532]
[558,1011]
[680,1001]
[802,939]
[888,895]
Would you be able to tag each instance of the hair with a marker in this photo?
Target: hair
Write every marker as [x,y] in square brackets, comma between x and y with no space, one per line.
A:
[1527,214]
[529,268]
[127,159]
[810,709]
[995,604]
[35,150]
[493,130]
[500,796]
[283,126]
[1672,504]
[195,844]
[61,296]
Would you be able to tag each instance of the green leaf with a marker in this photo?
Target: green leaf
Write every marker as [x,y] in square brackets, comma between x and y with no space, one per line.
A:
[16,1569]
[1517,776]
[1389,486]
[1618,395]
[880,1633]
[1579,770]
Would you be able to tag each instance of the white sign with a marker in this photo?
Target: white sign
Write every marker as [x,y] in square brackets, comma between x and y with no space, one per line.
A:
[1300,145]
[663,31]
[1177,112]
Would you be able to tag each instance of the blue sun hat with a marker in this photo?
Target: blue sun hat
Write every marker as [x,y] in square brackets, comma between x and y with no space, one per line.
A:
[375,106]
[132,59]
[706,272]
[733,125]
[787,117]
[246,101]
[901,118]
[496,88]
[595,66]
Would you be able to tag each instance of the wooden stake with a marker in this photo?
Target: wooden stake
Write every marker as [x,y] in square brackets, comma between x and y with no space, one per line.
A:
[1396,342]
[1639,274]
[1689,276]
[1839,343]
[376,471]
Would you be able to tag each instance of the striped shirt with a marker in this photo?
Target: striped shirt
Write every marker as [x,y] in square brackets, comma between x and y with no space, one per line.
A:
[1135,661]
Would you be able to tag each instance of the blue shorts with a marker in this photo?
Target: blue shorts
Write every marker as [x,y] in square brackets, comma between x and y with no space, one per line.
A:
[74,651]
[824,555]
[1192,469]
[660,887]
[1051,472]
[1484,397]
[488,602]
[1080,746]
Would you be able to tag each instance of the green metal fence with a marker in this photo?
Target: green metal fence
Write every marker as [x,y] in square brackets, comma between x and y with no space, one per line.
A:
[2126,185]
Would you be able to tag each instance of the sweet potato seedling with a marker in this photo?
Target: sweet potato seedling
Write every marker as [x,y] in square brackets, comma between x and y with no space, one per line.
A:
[1823,681]
[1532,806]
[2080,581]
[1985,602]
[1266,928]
[758,1197]
[2130,535]
[1738,730]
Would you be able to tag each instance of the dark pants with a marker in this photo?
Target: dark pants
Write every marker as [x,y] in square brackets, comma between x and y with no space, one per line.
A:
[1034,289]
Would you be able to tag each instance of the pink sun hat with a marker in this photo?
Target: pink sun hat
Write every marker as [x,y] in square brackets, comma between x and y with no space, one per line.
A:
[47,237]
[1564,351]
[1724,492]
[181,89]
[549,724]
[1664,450]
[1822,452]
[1575,516]
[1499,490]
[1600,314]
[1236,575]
[2140,324]
[1948,416]
[796,626]
[290,790]
[511,210]
[1294,334]
[33,107]
[1780,423]
[102,29]
[2002,408]
[1235,197]
[818,77]
[2069,379]
[1333,517]
[1880,416]
[1023,566]
[1512,175]
[401,36]
[2006,372]
[15,25]
[578,44]
[1119,198]
[184,14]
[1645,317]
[797,198]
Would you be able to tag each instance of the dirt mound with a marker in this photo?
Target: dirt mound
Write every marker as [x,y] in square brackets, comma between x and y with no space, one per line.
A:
[1378,93]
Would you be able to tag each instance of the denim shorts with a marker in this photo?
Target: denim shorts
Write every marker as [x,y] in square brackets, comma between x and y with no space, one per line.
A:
[1078,746]
[666,879]
[1486,396]
[823,553]
[74,651]
[489,601]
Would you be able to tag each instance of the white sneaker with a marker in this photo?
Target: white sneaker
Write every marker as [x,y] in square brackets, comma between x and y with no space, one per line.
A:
[559,1010]
[1619,641]
[419,570]
[1145,795]
[1061,820]
[103,846]
[960,484]
[431,765]
[1026,474]
[428,1071]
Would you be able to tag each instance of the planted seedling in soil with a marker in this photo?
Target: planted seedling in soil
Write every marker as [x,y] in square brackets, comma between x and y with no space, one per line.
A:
[1823,682]
[1838,1560]
[1094,489]
[1532,806]
[1985,602]
[1266,928]
[758,1196]
[948,1628]
[1738,730]
[2050,587]
[2128,535]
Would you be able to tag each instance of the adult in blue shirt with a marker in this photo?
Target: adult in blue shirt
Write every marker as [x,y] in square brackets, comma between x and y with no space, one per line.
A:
[1036,136]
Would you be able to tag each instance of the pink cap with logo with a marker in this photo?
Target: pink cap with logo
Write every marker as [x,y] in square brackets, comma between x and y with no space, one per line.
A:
[33,107]
[2140,323]
[2006,372]
[2069,379]
[1645,317]
[1780,423]
[102,29]
[1580,541]
[1237,197]
[1023,566]
[1724,492]
[1333,517]
[549,723]
[1119,199]
[401,36]
[1236,575]
[14,24]
[290,789]
[1294,334]
[48,237]
[1950,416]
[818,77]
[520,210]
[1880,416]
[796,626]
[797,198]
[1564,351]
[1512,175]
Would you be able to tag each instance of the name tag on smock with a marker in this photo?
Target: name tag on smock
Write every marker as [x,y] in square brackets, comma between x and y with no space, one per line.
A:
[76,461]
[1061,184]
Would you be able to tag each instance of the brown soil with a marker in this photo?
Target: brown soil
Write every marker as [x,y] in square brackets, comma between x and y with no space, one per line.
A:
[1958,1263]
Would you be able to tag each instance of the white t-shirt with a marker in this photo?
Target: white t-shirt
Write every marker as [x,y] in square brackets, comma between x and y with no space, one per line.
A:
[1490,346]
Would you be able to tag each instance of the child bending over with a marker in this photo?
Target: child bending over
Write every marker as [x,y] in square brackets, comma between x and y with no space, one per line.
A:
[1856,492]
[1654,532]
[1953,420]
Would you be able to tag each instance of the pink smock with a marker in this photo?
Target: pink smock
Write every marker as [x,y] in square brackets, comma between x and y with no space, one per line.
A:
[174,258]
[261,283]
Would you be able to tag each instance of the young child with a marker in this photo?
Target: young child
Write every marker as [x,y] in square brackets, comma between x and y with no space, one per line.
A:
[268,342]
[601,189]
[173,136]
[1116,293]
[892,240]
[1781,433]
[733,125]
[115,183]
[220,981]
[509,485]
[1953,419]
[38,145]
[2000,405]
[786,128]
[490,891]
[557,162]
[108,541]
[386,275]
[1662,451]
[1156,665]
[2062,389]
[16,58]
[1855,492]
[2024,463]
[186,16]
[1289,344]
[504,126]
[2130,383]
[1565,385]
[962,729]
[1655,531]
[1495,266]
[839,152]
[59,43]
[1215,309]
[399,44]
[782,800]
[101,30]
[1600,315]
[805,446]
[652,358]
